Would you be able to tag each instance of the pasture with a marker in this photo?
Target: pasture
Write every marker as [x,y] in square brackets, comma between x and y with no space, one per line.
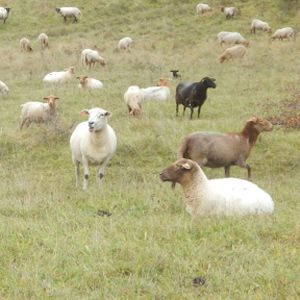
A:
[56,242]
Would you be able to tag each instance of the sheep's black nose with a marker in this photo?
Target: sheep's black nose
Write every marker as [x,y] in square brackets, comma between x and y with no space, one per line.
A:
[90,123]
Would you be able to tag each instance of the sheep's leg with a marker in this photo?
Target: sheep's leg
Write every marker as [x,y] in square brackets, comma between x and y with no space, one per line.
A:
[199,108]
[100,170]
[85,172]
[75,19]
[192,110]
[249,171]
[177,109]
[227,171]
[76,163]
[65,19]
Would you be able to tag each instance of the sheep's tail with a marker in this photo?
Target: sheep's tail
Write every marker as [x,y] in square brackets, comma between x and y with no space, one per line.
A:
[182,151]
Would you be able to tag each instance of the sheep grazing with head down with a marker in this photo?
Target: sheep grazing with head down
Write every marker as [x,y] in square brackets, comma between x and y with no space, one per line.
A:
[125,44]
[4,13]
[226,196]
[233,52]
[230,12]
[193,94]
[283,33]
[231,38]
[260,25]
[60,76]
[216,150]
[4,88]
[93,143]
[133,99]
[38,112]
[43,40]
[25,45]
[202,8]
[89,57]
[69,12]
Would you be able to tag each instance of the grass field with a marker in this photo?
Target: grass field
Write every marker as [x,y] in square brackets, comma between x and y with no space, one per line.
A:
[53,245]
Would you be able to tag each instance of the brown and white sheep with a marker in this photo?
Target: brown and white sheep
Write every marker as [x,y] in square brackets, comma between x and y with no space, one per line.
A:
[230,12]
[260,25]
[86,82]
[233,52]
[283,33]
[215,150]
[25,45]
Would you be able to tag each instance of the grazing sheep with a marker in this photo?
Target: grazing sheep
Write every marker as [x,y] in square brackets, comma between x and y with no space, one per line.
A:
[69,12]
[231,38]
[260,25]
[283,33]
[4,13]
[60,76]
[230,12]
[202,8]
[25,45]
[193,94]
[233,52]
[43,40]
[38,112]
[133,99]
[175,73]
[125,44]
[216,150]
[89,57]
[89,83]
[4,88]
[156,93]
[93,143]
[163,81]
[226,196]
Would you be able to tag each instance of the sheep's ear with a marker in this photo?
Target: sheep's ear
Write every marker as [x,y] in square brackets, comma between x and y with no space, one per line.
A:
[108,114]
[186,166]
[56,98]
[254,119]
[84,112]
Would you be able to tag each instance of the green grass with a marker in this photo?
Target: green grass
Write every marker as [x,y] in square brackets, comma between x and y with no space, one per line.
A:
[54,245]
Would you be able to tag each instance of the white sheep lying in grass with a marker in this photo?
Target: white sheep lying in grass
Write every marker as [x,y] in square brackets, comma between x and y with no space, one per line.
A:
[156,93]
[93,143]
[283,33]
[60,76]
[43,40]
[25,45]
[89,83]
[4,88]
[202,8]
[69,12]
[233,52]
[4,13]
[226,196]
[38,112]
[260,25]
[133,99]
[89,57]
[125,43]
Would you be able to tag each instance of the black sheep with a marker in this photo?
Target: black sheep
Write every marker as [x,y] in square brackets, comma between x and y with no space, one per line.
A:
[175,75]
[193,94]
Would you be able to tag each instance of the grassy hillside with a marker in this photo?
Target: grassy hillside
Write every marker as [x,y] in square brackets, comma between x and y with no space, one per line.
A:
[54,245]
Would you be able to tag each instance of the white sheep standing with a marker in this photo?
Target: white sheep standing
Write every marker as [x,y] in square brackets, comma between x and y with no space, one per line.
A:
[233,52]
[125,44]
[93,142]
[283,33]
[133,99]
[69,12]
[43,40]
[260,25]
[230,12]
[86,82]
[25,45]
[89,57]
[202,8]
[38,112]
[4,13]
[156,93]
[60,76]
[226,196]
[4,88]
[231,38]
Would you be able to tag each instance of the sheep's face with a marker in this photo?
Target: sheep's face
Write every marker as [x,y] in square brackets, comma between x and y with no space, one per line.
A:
[97,118]
[261,124]
[209,82]
[177,172]
[51,100]
[82,78]
[5,91]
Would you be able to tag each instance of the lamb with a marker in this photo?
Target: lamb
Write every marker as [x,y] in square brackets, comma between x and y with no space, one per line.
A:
[38,112]
[216,197]
[4,13]
[156,93]
[43,40]
[231,38]
[230,12]
[89,57]
[93,143]
[202,8]
[193,94]
[233,52]
[25,45]
[133,99]
[89,83]
[60,76]
[283,33]
[163,81]
[260,25]
[125,44]
[4,88]
[69,12]
[215,150]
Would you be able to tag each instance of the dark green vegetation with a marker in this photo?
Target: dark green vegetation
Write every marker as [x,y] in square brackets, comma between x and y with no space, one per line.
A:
[54,246]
